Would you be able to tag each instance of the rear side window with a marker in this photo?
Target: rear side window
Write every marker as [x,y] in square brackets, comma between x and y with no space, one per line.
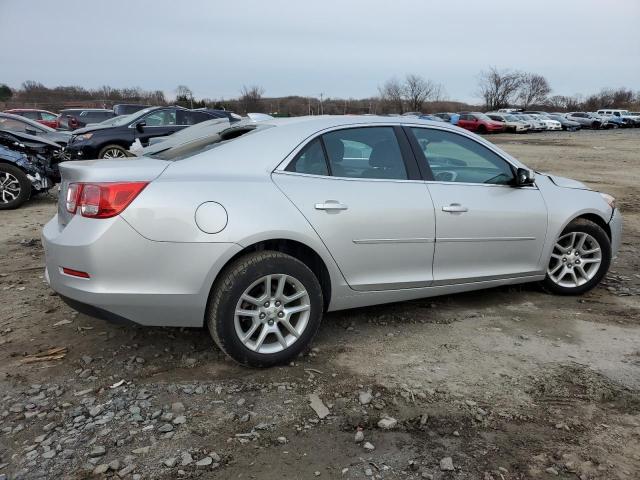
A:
[310,160]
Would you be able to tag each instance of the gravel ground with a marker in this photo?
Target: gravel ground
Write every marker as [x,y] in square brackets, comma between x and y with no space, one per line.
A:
[502,384]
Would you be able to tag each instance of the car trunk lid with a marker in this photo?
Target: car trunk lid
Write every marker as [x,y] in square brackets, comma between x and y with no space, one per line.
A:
[95,171]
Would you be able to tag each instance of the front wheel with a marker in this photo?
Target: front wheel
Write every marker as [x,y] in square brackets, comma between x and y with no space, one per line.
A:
[265,309]
[111,152]
[579,260]
[15,187]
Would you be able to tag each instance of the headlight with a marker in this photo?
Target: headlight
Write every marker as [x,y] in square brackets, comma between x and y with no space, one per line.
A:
[84,136]
[609,199]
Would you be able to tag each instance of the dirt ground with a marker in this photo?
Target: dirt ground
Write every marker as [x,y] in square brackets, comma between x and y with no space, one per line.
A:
[503,384]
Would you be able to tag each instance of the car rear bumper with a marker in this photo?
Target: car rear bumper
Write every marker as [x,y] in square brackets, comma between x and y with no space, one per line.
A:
[615,225]
[132,278]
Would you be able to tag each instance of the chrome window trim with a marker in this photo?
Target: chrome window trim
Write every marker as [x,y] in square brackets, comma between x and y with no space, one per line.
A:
[280,168]
[349,179]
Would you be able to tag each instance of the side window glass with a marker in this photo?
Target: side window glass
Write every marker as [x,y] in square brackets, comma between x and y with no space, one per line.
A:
[310,160]
[161,118]
[371,152]
[456,158]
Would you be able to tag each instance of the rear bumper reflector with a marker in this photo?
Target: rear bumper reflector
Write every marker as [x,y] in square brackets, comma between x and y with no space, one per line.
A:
[74,273]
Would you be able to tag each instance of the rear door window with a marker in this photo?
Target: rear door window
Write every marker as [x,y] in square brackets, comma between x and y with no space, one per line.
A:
[368,152]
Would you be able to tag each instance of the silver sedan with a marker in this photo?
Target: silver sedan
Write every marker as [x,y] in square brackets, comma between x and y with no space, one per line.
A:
[257,229]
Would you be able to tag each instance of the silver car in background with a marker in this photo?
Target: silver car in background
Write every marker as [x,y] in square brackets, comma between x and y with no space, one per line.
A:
[259,231]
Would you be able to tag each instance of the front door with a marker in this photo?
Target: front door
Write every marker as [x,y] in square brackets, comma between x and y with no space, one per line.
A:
[158,123]
[486,228]
[353,187]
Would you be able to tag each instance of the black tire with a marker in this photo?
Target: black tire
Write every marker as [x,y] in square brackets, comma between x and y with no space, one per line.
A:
[108,148]
[231,285]
[596,125]
[6,172]
[594,230]
[481,129]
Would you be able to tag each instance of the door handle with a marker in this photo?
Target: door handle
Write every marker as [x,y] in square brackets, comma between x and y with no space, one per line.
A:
[331,205]
[455,208]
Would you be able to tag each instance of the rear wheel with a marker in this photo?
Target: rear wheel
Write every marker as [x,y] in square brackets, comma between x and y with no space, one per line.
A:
[481,129]
[265,309]
[15,187]
[112,151]
[580,258]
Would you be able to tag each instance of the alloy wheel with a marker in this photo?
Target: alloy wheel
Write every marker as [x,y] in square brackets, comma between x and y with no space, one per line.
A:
[113,153]
[9,187]
[272,313]
[575,260]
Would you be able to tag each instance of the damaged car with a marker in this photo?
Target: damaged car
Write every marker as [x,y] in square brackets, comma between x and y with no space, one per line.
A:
[28,166]
[255,236]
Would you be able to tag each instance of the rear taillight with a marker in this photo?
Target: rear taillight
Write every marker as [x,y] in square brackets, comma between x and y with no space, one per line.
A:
[102,200]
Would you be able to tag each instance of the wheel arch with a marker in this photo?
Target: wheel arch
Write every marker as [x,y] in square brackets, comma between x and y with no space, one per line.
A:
[592,217]
[299,250]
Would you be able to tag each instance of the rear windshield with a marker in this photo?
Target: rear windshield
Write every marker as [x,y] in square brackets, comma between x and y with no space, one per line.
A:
[202,144]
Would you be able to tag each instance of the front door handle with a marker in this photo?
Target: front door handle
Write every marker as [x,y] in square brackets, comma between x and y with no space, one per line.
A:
[455,208]
[331,205]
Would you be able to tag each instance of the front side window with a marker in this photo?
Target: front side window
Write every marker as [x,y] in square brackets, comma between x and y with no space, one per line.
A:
[161,118]
[456,158]
[47,116]
[369,152]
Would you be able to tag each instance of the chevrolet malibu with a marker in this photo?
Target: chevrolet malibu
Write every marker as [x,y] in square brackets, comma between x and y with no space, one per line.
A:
[256,230]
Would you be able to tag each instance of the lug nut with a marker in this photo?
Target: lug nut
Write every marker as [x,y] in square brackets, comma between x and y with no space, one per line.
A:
[280,314]
[266,304]
[564,259]
[278,303]
[261,316]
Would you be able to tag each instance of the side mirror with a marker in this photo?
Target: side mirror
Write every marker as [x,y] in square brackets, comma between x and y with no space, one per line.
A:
[140,125]
[525,177]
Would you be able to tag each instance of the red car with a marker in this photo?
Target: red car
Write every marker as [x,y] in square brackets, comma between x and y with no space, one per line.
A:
[479,123]
[41,116]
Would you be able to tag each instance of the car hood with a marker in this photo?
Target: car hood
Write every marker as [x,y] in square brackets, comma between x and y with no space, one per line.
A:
[57,137]
[564,182]
[31,140]
[82,130]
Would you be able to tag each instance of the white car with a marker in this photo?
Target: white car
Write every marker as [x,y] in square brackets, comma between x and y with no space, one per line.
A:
[548,123]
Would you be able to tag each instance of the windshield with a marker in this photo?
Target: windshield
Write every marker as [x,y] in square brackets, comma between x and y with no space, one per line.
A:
[482,116]
[511,118]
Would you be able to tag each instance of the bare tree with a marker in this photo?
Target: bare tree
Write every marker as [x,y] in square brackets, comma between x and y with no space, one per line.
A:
[251,98]
[417,90]
[391,93]
[499,88]
[534,90]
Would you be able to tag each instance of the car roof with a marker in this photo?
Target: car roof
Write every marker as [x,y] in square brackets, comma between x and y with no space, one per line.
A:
[27,110]
[276,144]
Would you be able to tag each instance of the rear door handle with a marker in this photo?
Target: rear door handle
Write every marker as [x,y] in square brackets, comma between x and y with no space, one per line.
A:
[455,208]
[331,205]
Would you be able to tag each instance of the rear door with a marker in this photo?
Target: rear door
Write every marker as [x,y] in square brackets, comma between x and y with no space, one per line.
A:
[360,190]
[486,228]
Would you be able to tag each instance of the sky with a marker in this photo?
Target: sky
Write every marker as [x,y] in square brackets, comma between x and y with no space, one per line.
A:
[340,48]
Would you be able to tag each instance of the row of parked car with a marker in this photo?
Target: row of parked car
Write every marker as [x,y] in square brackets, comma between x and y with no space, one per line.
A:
[518,121]
[30,150]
